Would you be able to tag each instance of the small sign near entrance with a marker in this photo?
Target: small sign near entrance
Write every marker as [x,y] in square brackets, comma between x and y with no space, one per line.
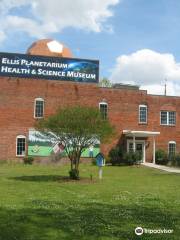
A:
[100,161]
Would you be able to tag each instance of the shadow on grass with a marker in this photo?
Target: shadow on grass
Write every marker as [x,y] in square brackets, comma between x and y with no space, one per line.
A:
[57,220]
[42,178]
[52,178]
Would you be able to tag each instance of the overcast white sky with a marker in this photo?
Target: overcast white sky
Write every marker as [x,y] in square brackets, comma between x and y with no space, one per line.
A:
[136,41]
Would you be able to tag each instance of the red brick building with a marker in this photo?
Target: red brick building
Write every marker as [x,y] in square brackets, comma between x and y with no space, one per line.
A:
[143,122]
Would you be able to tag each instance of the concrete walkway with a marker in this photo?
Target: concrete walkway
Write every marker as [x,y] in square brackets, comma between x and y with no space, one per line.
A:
[161,167]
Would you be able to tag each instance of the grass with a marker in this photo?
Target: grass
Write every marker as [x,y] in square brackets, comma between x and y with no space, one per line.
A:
[38,202]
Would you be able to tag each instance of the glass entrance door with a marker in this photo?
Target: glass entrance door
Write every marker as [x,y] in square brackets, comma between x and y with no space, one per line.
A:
[139,149]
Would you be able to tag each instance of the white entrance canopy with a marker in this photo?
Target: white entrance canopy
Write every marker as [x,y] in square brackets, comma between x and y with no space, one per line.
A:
[134,134]
[131,133]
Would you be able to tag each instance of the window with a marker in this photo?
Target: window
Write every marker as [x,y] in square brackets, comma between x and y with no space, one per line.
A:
[103,109]
[171,149]
[20,145]
[142,114]
[164,118]
[131,150]
[168,118]
[39,108]
[172,118]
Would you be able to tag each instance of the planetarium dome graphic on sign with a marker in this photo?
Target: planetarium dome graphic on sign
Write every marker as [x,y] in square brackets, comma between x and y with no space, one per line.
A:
[51,60]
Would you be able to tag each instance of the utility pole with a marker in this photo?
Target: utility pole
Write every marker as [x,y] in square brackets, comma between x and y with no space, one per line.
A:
[165,86]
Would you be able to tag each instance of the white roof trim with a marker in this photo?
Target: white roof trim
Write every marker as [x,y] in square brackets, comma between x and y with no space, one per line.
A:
[140,133]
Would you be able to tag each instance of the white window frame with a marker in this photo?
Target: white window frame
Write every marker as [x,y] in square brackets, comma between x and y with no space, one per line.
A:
[18,137]
[104,103]
[167,124]
[171,142]
[35,100]
[144,106]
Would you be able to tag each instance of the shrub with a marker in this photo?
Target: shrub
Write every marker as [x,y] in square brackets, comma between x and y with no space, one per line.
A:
[132,158]
[137,156]
[172,160]
[107,160]
[128,158]
[116,156]
[161,157]
[28,160]
[178,159]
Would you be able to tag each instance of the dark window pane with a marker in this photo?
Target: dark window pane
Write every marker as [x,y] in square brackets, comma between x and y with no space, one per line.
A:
[103,110]
[143,114]
[172,118]
[164,117]
[39,108]
[21,142]
[172,150]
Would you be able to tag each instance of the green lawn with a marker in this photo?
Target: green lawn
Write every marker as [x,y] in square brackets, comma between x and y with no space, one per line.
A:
[38,202]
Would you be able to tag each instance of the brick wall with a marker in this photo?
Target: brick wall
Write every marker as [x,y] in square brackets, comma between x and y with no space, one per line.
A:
[17,110]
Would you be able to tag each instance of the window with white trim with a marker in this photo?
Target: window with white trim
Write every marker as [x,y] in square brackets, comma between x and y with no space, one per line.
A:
[39,108]
[20,146]
[142,114]
[168,118]
[171,149]
[131,149]
[103,107]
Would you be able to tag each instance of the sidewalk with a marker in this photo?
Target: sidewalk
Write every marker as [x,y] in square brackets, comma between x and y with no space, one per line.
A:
[161,167]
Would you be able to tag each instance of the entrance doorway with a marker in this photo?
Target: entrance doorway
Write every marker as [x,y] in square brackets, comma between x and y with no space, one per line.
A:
[139,147]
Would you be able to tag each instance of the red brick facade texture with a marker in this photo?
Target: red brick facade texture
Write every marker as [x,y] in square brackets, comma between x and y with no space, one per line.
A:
[17,97]
[17,110]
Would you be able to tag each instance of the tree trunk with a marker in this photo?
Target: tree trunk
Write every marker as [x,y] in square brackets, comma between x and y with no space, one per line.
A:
[71,164]
[74,172]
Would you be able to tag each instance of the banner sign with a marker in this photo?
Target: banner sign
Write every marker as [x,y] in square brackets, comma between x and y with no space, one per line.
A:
[51,68]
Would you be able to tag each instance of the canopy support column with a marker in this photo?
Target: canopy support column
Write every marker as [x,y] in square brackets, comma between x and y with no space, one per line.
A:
[154,150]
[134,143]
